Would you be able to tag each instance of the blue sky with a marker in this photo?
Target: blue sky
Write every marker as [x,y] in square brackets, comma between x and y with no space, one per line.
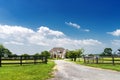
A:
[89,24]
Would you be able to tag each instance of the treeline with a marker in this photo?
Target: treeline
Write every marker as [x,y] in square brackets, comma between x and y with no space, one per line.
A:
[4,51]
[44,53]
[107,52]
[74,54]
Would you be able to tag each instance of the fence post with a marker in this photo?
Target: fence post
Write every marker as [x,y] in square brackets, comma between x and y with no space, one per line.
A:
[96,60]
[21,60]
[84,59]
[93,59]
[0,61]
[46,60]
[102,60]
[34,59]
[113,60]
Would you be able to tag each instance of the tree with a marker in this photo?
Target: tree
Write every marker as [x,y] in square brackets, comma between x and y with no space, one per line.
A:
[45,53]
[15,55]
[4,50]
[25,54]
[90,54]
[102,54]
[1,48]
[37,54]
[79,52]
[107,52]
[75,54]
[71,54]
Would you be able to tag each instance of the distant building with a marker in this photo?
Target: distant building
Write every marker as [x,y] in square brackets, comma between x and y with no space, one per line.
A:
[58,52]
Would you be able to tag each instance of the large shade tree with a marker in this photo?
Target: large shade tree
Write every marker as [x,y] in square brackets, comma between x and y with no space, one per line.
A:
[75,54]
[107,52]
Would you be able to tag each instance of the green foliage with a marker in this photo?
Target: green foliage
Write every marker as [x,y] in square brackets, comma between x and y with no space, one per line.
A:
[107,52]
[79,52]
[14,55]
[4,50]
[74,54]
[45,53]
[71,54]
[37,54]
[25,55]
[90,54]
[115,67]
[102,54]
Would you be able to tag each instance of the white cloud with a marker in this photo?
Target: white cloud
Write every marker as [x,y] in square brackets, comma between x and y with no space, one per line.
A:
[87,30]
[115,33]
[14,42]
[49,32]
[15,33]
[44,38]
[6,29]
[66,41]
[73,24]
[116,42]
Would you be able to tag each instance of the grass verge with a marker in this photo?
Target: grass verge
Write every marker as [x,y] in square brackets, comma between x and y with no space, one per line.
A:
[27,72]
[115,67]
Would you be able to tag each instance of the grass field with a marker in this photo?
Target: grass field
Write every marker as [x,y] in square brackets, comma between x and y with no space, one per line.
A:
[26,72]
[115,67]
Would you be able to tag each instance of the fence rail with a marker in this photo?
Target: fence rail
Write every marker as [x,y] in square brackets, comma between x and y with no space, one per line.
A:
[102,60]
[22,60]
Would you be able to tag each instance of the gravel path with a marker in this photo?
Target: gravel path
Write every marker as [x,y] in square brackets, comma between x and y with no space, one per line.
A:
[70,71]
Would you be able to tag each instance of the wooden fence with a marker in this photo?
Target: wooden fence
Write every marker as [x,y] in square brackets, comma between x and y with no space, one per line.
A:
[102,60]
[22,60]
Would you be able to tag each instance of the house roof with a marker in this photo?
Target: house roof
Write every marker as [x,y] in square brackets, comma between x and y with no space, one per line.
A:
[57,49]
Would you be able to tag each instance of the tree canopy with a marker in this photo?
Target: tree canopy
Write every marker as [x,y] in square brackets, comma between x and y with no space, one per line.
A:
[4,50]
[75,53]
[36,54]
[45,53]
[25,55]
[107,52]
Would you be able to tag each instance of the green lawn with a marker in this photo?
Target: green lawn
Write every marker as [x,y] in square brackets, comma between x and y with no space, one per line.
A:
[115,67]
[26,72]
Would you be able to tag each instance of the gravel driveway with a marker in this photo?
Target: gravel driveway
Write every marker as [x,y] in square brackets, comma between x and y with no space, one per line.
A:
[70,71]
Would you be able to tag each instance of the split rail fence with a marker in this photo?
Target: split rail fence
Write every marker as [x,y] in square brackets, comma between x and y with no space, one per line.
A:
[102,60]
[22,60]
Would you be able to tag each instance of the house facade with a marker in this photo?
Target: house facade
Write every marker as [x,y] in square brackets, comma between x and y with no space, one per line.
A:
[58,52]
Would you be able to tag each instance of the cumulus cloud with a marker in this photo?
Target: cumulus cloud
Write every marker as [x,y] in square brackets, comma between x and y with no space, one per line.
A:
[73,24]
[43,37]
[49,32]
[16,33]
[115,33]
